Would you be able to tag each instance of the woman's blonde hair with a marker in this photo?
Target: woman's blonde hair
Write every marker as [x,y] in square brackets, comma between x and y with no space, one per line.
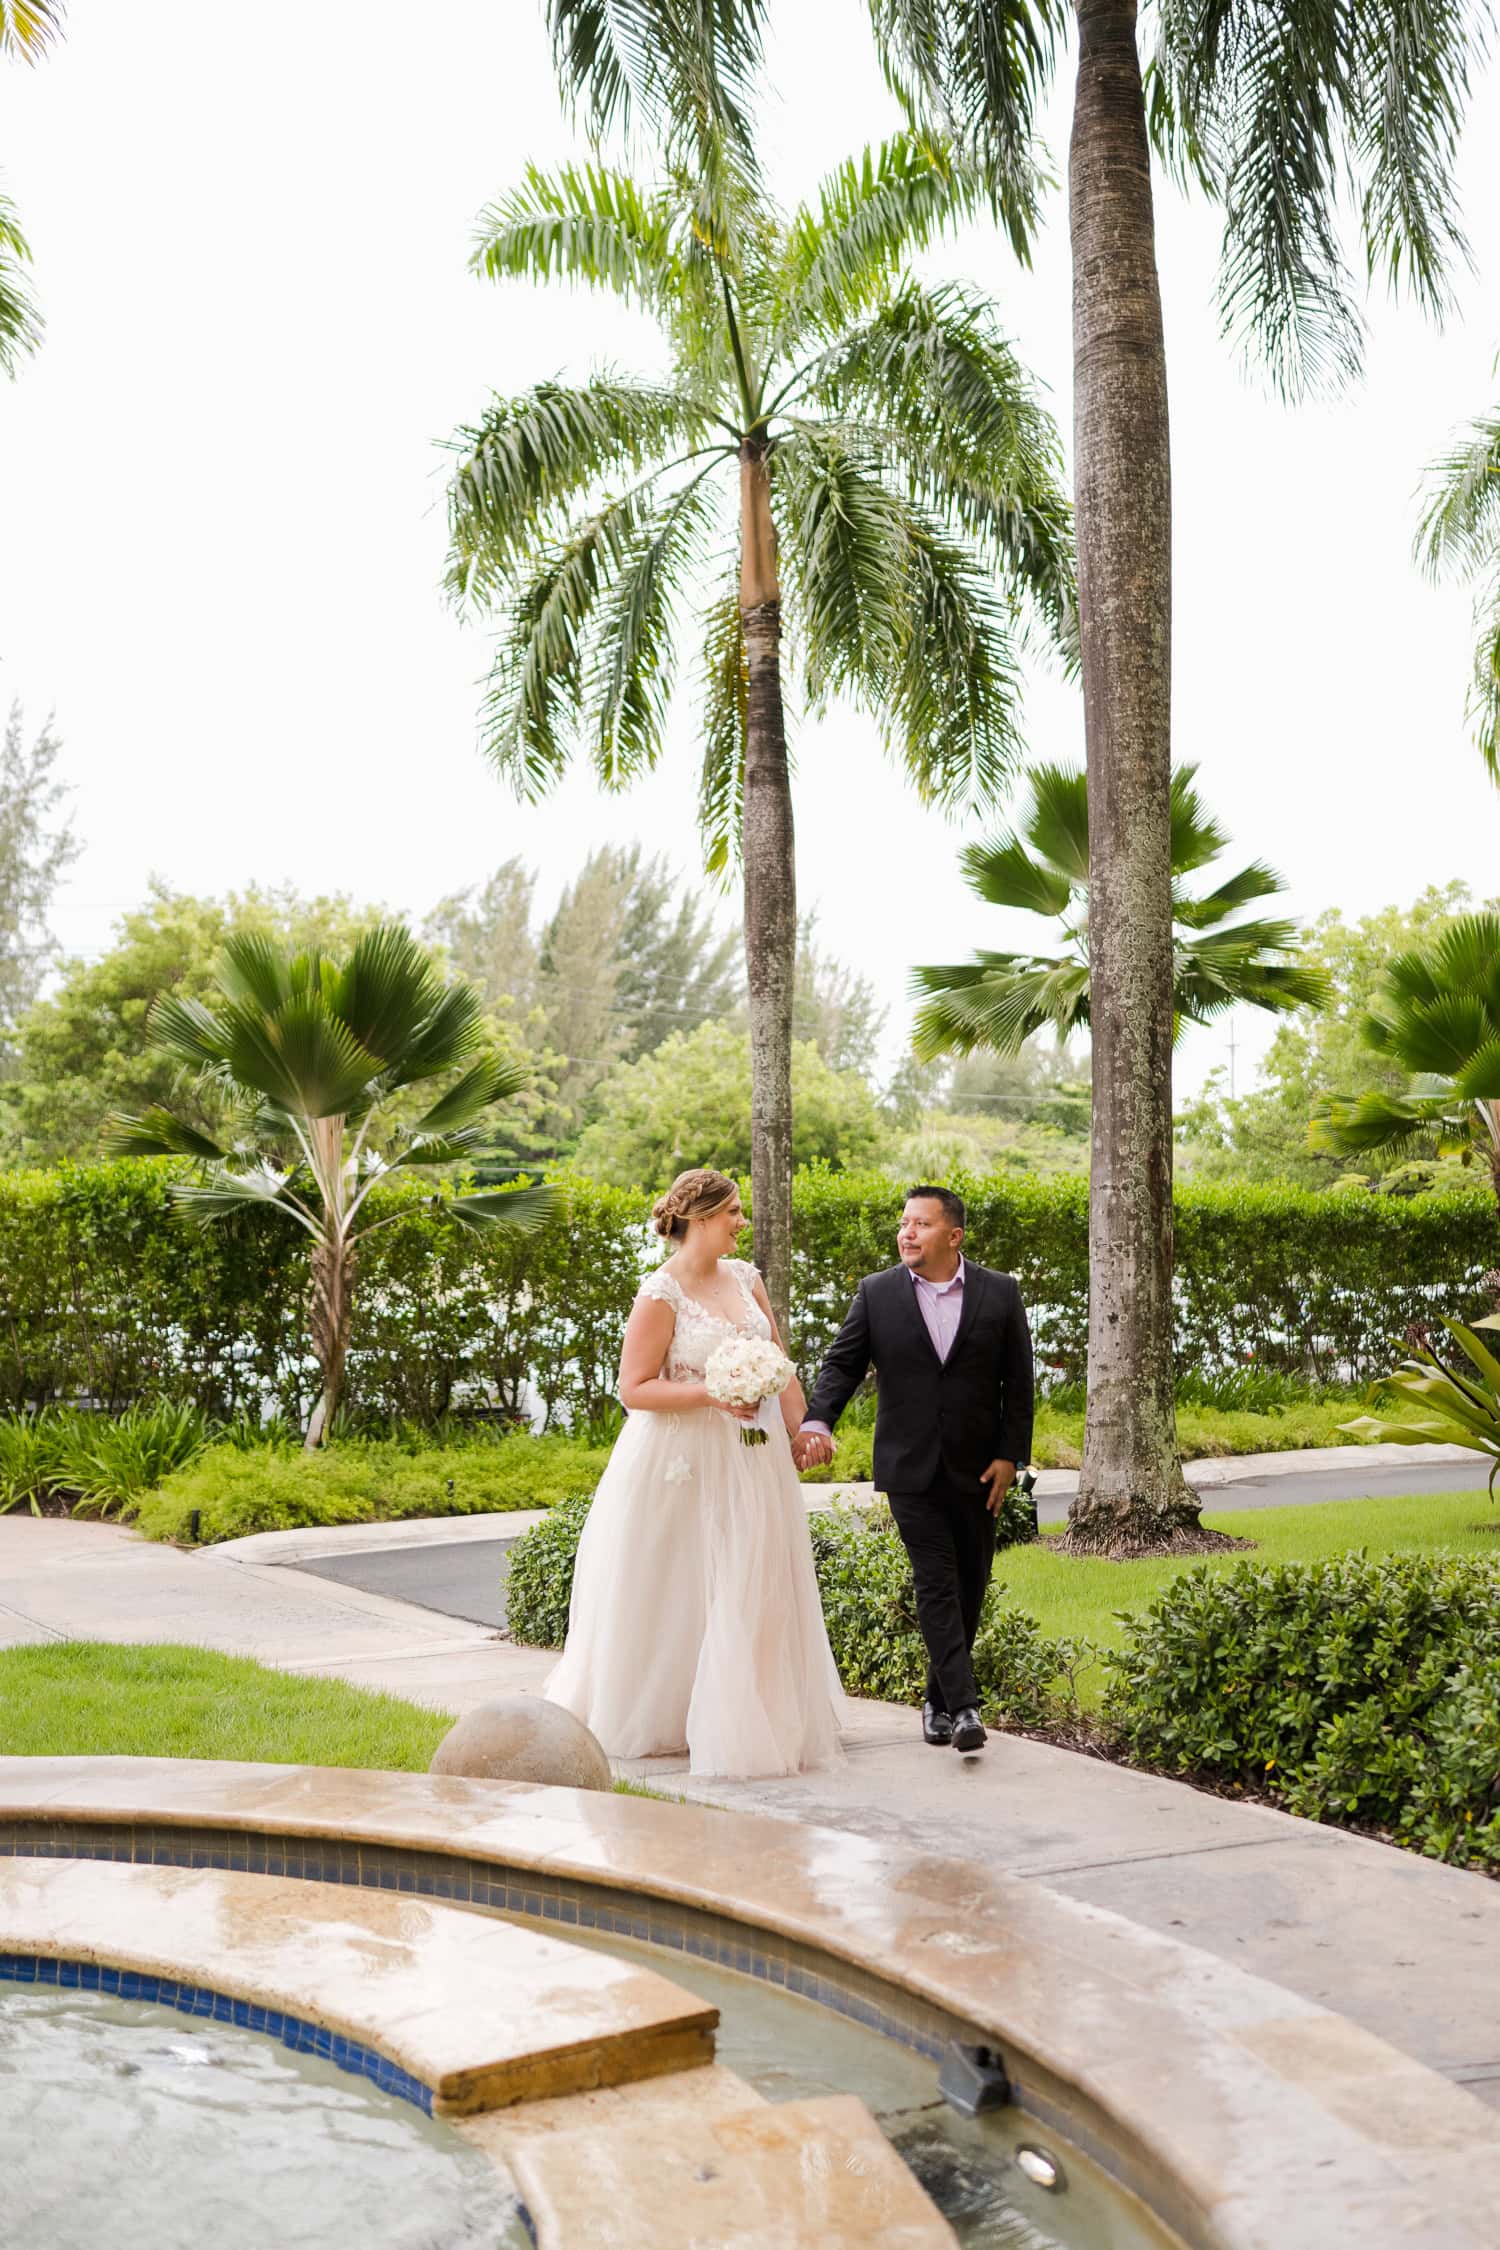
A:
[692,1195]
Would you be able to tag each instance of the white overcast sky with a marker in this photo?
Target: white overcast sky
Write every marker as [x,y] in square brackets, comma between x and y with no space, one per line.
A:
[221,530]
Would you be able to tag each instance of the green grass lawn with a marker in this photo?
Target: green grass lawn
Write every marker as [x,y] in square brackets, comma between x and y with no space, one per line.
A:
[1083,1597]
[72,1699]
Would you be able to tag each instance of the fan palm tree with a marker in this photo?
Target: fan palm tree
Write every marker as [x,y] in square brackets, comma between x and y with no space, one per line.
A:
[315,1057]
[1271,107]
[997,1001]
[1436,1017]
[844,467]
[1460,534]
[27,27]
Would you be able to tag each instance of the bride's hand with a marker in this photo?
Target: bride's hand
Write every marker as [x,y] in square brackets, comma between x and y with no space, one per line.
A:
[735,1413]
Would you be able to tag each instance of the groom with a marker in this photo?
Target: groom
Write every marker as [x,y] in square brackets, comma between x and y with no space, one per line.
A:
[953,1379]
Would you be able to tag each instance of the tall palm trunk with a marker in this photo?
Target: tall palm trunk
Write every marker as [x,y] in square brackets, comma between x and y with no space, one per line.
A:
[1131,1492]
[770,871]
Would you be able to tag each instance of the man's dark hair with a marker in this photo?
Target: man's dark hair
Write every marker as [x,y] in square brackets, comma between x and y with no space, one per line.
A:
[952,1204]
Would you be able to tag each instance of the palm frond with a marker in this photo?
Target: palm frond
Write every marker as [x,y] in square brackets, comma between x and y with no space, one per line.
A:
[1460,534]
[1398,1123]
[1005,874]
[583,223]
[452,1032]
[521,1209]
[302,1057]
[1056,820]
[387,991]
[156,1132]
[841,252]
[20,322]
[998,1001]
[725,687]
[681,70]
[188,1030]
[1252,882]
[847,553]
[978,69]
[493,1078]
[254,971]
[630,685]
[532,456]
[953,698]
[933,385]
[222,1193]
[28,27]
[1411,66]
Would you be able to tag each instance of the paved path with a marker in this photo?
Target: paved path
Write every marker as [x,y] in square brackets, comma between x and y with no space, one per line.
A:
[1404,1947]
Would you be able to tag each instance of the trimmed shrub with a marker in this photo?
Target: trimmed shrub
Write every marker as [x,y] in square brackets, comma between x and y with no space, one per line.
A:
[107,1295]
[1355,1691]
[281,1488]
[539,1579]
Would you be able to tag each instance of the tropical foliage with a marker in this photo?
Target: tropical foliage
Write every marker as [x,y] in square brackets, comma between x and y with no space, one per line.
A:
[1436,1016]
[1430,1400]
[27,27]
[998,1001]
[1460,537]
[314,1055]
[842,463]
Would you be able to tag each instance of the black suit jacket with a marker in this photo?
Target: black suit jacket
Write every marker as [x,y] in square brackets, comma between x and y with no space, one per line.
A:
[934,1416]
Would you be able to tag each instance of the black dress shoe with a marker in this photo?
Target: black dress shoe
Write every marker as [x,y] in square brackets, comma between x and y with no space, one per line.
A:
[936,1726]
[968,1730]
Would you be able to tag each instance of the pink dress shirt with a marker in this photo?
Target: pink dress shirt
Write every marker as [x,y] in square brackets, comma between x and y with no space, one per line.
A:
[941,1304]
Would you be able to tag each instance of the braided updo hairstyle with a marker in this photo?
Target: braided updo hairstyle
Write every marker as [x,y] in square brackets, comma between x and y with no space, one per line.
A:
[692,1195]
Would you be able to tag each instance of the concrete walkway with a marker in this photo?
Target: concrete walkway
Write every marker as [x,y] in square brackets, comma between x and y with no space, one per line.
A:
[1399,1944]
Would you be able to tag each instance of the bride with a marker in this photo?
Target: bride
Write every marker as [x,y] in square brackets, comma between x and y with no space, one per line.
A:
[695,1621]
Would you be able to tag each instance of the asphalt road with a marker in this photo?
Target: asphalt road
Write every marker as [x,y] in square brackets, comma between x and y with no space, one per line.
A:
[466,1578]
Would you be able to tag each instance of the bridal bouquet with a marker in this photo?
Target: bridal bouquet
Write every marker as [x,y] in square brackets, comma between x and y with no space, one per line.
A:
[751,1371]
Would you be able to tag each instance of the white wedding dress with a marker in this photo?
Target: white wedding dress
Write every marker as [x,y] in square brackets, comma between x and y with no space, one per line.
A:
[695,1621]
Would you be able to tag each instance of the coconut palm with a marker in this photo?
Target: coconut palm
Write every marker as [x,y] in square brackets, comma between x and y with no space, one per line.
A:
[1273,107]
[844,468]
[1437,1017]
[317,1058]
[27,27]
[1460,535]
[998,1001]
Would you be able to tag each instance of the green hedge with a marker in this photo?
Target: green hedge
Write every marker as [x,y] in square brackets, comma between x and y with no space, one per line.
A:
[280,1488]
[1356,1691]
[107,1295]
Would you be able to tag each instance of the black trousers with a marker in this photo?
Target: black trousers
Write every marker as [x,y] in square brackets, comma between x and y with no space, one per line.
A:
[949,1534]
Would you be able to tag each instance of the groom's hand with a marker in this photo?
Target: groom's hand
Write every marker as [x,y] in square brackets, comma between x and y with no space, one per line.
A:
[997,1479]
[811,1449]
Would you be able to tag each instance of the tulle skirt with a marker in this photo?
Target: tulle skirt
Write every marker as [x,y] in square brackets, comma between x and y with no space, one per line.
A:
[695,1621]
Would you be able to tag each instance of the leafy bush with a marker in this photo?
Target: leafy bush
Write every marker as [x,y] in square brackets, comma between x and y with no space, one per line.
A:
[865,1584]
[97,1462]
[281,1488]
[1358,1691]
[539,1582]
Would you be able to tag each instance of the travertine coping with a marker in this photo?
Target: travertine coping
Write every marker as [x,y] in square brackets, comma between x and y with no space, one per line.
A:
[481,2013]
[1266,2122]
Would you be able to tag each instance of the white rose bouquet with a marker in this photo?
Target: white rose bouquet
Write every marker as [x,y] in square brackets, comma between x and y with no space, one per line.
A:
[750,1371]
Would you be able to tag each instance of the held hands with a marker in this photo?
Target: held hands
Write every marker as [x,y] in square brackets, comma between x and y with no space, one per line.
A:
[811,1449]
[997,1480]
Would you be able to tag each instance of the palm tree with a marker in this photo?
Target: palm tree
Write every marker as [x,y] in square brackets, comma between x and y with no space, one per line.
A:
[1272,107]
[997,1001]
[1460,533]
[27,28]
[1437,1017]
[316,1057]
[844,465]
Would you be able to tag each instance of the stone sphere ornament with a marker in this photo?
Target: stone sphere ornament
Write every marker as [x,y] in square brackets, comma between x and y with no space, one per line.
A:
[524,1738]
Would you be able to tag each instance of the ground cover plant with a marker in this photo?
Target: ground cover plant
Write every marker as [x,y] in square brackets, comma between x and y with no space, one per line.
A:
[98,1699]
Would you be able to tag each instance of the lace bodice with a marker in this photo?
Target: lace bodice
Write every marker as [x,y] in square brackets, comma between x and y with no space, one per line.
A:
[699,1331]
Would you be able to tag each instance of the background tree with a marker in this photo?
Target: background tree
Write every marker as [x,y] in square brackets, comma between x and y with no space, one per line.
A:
[86,1049]
[1436,1019]
[835,1006]
[35,847]
[1460,538]
[840,461]
[313,1057]
[1274,108]
[1263,1135]
[998,1001]
[689,1102]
